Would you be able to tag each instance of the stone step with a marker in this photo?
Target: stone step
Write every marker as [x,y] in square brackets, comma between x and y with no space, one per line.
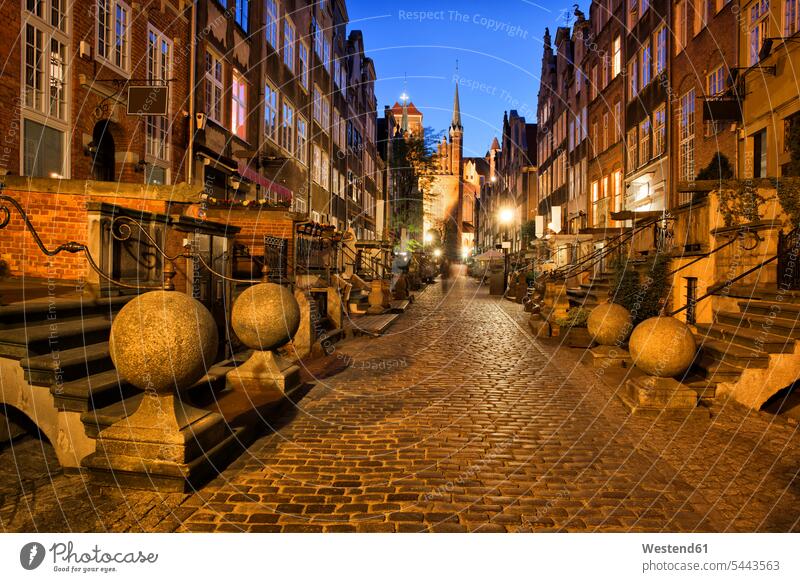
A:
[777,326]
[64,366]
[201,394]
[43,338]
[597,287]
[772,309]
[399,305]
[705,390]
[27,313]
[372,325]
[769,292]
[730,353]
[714,371]
[748,337]
[92,392]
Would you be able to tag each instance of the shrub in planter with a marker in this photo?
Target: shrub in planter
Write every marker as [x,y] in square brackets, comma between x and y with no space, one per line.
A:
[576,317]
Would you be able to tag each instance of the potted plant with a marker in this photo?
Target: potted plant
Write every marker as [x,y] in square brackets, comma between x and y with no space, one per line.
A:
[572,328]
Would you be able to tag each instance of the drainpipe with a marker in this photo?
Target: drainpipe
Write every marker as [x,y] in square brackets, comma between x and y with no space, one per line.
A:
[192,73]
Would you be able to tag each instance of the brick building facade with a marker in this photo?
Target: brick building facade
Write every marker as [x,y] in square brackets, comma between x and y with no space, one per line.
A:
[262,96]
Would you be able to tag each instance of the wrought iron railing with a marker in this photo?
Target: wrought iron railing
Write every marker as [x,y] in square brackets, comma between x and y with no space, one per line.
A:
[612,246]
[123,228]
[785,253]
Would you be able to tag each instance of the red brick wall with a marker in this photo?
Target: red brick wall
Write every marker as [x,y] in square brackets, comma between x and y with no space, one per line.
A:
[713,46]
[57,218]
[87,105]
[256,224]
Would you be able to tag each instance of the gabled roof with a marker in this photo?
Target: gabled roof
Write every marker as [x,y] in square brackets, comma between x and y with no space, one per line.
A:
[397,109]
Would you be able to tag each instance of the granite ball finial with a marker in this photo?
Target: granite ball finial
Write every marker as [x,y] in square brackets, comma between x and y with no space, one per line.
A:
[609,324]
[163,341]
[265,316]
[663,346]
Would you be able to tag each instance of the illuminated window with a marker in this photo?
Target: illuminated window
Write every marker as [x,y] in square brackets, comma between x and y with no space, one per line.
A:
[271,112]
[239,105]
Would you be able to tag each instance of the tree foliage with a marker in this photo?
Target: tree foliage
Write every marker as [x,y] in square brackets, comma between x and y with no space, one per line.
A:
[413,165]
[643,296]
[719,168]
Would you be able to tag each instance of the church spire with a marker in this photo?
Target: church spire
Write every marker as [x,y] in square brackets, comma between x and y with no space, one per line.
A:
[456,123]
[404,99]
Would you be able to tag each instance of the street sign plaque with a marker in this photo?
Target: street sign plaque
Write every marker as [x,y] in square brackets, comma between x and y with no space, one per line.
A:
[148,100]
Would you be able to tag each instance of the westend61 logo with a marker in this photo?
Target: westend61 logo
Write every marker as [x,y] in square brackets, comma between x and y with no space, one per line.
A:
[66,559]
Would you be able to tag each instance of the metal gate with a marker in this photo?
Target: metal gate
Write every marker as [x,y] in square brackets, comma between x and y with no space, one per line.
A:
[276,258]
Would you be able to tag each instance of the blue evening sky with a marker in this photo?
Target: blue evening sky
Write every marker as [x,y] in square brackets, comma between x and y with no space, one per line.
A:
[498,46]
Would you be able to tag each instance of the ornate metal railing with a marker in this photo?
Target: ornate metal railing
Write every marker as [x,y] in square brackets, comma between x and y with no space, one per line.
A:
[788,269]
[785,252]
[612,246]
[123,228]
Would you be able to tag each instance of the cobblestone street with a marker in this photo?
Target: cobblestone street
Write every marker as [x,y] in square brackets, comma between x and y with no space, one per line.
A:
[457,420]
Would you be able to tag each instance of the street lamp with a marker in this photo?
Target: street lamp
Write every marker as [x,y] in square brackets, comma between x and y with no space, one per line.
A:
[437,253]
[505,216]
[428,238]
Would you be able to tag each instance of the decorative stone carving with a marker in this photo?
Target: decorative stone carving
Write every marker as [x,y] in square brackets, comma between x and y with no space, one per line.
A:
[162,342]
[378,300]
[609,324]
[265,317]
[662,346]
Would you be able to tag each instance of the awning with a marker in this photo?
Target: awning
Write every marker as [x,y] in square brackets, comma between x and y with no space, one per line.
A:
[282,192]
[490,255]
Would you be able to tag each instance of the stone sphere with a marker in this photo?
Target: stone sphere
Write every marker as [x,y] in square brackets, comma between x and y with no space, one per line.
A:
[662,346]
[266,316]
[609,324]
[163,341]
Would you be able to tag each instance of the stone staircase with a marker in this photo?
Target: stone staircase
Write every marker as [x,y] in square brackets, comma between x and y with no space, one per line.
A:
[62,344]
[55,365]
[750,352]
[592,293]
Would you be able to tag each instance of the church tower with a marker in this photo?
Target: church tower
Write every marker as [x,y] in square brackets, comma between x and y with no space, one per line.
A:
[456,137]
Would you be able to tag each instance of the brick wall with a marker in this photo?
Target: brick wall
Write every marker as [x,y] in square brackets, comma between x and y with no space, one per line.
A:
[255,224]
[89,85]
[57,218]
[713,46]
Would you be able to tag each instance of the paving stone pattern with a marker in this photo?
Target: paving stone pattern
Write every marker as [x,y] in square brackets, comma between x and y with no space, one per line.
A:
[456,421]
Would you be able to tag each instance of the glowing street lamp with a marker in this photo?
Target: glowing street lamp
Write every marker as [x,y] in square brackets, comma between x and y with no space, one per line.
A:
[506,215]
[428,238]
[437,253]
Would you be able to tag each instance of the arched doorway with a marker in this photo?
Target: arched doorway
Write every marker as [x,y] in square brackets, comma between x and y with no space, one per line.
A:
[104,152]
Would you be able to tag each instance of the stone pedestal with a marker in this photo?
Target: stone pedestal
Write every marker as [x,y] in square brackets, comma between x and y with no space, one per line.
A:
[265,373]
[539,326]
[166,445]
[387,292]
[556,301]
[335,310]
[610,357]
[650,393]
[401,288]
[304,337]
[378,301]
